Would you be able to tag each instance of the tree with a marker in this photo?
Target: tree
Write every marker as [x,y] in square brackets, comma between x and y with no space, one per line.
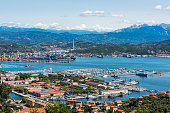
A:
[4,92]
[34,111]
[4,95]
[57,108]
[24,99]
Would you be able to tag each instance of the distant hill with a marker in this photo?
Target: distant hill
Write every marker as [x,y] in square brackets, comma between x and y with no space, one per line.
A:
[8,47]
[89,47]
[162,47]
[17,29]
[134,34]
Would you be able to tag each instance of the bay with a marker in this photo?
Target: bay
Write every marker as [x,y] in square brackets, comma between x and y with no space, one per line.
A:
[161,83]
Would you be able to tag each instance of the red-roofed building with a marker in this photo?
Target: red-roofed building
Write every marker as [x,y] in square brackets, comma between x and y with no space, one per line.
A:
[118,103]
[70,106]
[152,94]
[113,108]
[140,99]
[34,75]
[122,111]
[167,95]
[106,107]
[131,98]
[28,110]
[71,101]
[15,82]
[79,111]
[164,92]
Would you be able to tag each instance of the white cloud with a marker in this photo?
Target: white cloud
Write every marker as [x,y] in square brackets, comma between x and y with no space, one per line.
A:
[41,25]
[100,28]
[92,13]
[11,24]
[54,25]
[117,15]
[149,22]
[96,27]
[126,21]
[81,27]
[168,8]
[159,7]
[99,13]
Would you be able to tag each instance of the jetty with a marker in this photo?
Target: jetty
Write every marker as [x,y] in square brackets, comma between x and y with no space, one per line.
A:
[95,72]
[33,71]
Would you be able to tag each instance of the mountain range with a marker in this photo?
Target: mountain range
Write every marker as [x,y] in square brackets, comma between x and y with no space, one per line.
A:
[135,34]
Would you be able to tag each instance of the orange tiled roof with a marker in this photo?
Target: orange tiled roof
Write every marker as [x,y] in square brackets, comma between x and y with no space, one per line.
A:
[113,106]
[78,103]
[140,97]
[71,100]
[90,102]
[28,110]
[168,94]
[163,92]
[69,105]
[133,111]
[33,75]
[131,98]
[119,101]
[23,85]
[152,94]
[145,95]
[79,110]
[94,107]
[121,110]
[155,96]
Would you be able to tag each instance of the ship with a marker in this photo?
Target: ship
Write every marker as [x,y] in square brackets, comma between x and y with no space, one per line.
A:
[141,74]
[73,57]
[99,56]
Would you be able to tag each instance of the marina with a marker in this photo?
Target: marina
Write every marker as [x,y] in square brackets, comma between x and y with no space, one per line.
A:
[109,66]
[94,72]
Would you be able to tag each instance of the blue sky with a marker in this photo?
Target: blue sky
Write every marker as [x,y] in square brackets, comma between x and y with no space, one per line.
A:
[100,15]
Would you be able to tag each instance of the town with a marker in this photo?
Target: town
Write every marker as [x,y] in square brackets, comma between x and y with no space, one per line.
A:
[70,88]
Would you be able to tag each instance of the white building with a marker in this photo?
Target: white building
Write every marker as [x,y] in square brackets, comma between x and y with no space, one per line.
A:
[117,91]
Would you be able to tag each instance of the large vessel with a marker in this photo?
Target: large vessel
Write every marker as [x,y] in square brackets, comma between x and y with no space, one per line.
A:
[99,56]
[73,57]
[141,74]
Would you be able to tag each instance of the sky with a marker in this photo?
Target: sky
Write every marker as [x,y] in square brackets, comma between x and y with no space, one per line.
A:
[98,15]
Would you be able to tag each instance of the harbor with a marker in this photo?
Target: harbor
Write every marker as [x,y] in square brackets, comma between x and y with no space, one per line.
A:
[110,66]
[94,72]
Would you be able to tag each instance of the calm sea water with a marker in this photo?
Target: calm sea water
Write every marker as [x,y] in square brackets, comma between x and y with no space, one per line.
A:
[158,82]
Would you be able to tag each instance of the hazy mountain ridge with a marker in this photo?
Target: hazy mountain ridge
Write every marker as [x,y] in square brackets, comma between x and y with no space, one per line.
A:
[20,29]
[134,34]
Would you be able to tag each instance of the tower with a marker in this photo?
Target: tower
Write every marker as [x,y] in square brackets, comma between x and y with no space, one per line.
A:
[73,44]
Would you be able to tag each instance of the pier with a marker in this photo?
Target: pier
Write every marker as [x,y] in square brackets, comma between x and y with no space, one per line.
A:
[33,71]
[94,72]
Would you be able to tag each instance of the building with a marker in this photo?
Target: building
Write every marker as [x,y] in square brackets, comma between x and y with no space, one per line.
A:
[117,91]
[118,103]
[40,104]
[29,110]
[167,95]
[96,85]
[17,82]
[45,92]
[113,108]
[30,102]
